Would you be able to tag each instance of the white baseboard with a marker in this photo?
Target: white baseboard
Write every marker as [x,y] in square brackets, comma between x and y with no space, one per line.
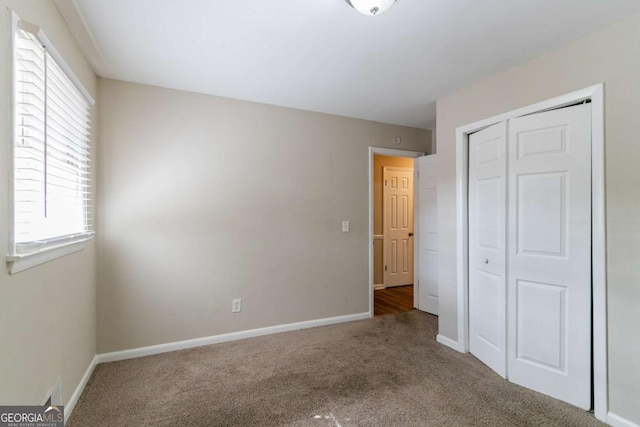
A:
[617,421]
[450,343]
[216,339]
[379,286]
[71,404]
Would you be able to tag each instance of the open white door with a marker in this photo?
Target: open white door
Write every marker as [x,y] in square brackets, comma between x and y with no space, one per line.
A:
[549,253]
[487,240]
[427,259]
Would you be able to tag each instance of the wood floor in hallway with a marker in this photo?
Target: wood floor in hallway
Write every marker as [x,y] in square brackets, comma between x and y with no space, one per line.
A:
[393,300]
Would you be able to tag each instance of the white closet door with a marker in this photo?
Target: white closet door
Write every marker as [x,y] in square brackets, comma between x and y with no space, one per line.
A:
[549,256]
[487,228]
[428,229]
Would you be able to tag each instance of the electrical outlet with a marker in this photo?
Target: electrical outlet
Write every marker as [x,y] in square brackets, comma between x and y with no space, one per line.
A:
[236,305]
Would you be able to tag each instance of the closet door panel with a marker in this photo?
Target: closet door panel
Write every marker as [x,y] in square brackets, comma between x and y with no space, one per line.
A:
[487,228]
[549,253]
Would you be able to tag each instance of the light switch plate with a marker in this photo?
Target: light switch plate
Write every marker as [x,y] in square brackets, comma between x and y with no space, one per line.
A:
[345,226]
[236,305]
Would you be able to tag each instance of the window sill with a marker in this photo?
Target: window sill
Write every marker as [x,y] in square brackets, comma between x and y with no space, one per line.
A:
[21,262]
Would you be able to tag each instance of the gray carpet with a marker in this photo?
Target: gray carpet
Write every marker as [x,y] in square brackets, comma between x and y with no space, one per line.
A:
[386,371]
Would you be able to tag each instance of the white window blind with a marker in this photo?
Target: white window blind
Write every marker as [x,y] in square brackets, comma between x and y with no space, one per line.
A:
[51,151]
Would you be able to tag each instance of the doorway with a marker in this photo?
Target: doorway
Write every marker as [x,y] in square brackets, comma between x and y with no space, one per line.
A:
[393,221]
[393,234]
[391,230]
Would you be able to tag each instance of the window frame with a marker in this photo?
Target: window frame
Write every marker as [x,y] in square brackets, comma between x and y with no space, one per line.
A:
[59,246]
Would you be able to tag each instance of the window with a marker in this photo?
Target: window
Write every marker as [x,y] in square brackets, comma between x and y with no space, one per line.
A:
[51,151]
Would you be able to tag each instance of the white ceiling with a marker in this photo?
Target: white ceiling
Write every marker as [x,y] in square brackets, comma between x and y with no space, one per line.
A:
[321,55]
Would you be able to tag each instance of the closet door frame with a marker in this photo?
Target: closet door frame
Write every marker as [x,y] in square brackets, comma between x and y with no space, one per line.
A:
[595,94]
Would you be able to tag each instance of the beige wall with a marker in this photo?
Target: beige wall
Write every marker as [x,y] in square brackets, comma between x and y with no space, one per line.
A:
[611,56]
[379,163]
[47,314]
[206,199]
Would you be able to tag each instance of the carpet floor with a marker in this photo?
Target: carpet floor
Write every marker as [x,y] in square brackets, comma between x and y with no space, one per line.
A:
[385,371]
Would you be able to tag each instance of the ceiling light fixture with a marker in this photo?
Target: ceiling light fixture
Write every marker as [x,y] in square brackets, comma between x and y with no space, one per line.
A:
[371,7]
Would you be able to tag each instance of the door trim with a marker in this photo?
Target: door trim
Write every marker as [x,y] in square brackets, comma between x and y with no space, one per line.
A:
[598,230]
[395,153]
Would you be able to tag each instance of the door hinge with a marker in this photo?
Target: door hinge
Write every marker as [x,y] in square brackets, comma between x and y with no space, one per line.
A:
[385,268]
[385,182]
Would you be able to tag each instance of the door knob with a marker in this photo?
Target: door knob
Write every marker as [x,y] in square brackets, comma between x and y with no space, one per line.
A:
[410,234]
[486,261]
